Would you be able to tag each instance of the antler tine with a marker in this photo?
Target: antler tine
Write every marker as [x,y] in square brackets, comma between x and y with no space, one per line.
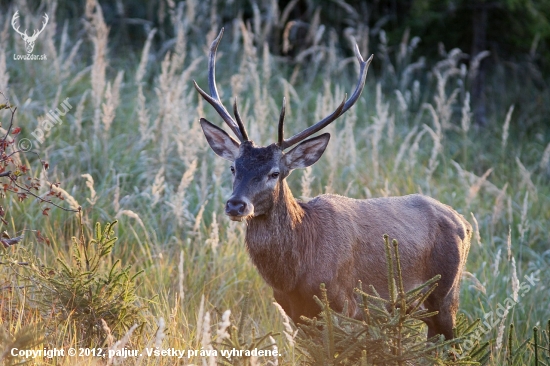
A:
[214,98]
[342,108]
[239,120]
[280,140]
[44,23]
[14,23]
[37,32]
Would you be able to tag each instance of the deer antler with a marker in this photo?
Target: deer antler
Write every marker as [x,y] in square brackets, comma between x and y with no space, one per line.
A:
[14,23]
[280,140]
[25,35]
[214,98]
[239,120]
[342,108]
[35,33]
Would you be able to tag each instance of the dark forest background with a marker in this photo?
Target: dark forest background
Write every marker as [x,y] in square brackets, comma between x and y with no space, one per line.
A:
[516,33]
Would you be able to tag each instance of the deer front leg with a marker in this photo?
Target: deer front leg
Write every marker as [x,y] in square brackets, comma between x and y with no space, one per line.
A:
[283,300]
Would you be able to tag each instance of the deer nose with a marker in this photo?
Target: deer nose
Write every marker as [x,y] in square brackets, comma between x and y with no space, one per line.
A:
[235,207]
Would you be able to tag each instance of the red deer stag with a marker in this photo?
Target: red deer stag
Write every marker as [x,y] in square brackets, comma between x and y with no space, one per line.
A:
[332,239]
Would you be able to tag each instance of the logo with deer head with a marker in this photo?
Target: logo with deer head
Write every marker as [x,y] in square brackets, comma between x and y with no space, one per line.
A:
[29,40]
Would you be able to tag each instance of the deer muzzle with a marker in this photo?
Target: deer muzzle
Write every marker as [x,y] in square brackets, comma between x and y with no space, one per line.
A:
[238,208]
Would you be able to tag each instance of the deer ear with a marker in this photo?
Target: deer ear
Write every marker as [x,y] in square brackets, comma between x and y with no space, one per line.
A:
[223,145]
[307,152]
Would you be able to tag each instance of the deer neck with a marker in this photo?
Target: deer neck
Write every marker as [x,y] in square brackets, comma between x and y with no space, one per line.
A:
[274,240]
[281,221]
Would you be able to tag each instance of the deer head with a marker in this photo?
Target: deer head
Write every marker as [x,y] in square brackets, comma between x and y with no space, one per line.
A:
[29,40]
[257,171]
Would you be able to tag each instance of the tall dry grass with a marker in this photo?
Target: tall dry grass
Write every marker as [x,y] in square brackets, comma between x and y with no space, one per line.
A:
[132,149]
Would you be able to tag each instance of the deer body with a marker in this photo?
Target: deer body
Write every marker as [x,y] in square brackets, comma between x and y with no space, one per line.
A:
[332,239]
[337,241]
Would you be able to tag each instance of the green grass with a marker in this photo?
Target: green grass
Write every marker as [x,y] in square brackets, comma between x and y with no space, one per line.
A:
[141,172]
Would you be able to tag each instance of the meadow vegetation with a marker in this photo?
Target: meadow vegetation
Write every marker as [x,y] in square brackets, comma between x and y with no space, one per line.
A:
[174,272]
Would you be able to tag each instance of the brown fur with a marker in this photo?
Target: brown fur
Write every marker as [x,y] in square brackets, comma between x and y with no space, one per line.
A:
[336,240]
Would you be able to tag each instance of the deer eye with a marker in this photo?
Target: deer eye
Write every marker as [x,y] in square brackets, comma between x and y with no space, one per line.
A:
[232,169]
[274,175]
